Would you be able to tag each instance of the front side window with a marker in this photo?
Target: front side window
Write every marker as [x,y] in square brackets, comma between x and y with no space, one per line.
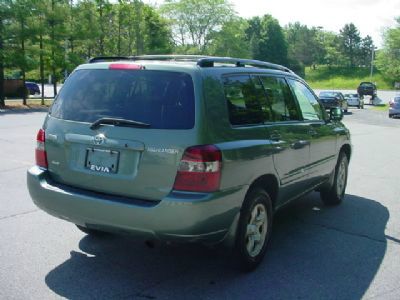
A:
[278,94]
[309,106]
[244,105]
[165,100]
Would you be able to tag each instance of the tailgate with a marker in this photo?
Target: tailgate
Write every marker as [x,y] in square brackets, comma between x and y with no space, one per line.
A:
[140,163]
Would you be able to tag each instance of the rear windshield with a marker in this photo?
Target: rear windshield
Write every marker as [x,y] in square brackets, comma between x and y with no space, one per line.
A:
[328,94]
[165,100]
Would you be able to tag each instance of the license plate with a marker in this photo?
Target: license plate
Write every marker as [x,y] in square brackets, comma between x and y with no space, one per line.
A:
[101,160]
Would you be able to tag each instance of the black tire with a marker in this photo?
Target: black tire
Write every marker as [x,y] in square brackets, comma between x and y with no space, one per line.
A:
[256,205]
[334,194]
[391,116]
[92,232]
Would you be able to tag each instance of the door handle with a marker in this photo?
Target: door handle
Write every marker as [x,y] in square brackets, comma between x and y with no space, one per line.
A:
[300,144]
[275,136]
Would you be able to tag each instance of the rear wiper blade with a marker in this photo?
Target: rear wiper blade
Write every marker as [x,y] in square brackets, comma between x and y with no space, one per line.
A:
[117,122]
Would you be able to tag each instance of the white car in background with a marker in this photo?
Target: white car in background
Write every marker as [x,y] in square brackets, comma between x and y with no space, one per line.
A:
[354,100]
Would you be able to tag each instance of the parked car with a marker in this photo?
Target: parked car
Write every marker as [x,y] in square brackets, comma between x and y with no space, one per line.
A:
[394,107]
[367,89]
[331,99]
[186,149]
[33,88]
[354,100]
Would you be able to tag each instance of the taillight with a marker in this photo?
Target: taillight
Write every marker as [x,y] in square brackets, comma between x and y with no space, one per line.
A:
[199,169]
[40,153]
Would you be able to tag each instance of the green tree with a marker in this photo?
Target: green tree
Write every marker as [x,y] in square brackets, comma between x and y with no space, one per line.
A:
[304,44]
[157,34]
[388,59]
[350,43]
[331,44]
[366,48]
[5,11]
[267,40]
[230,40]
[193,21]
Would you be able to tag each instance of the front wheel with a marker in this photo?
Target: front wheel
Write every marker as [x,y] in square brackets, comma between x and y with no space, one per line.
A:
[254,229]
[334,195]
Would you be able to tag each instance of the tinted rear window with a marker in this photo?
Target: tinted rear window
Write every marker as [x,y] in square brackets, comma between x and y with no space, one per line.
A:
[367,84]
[165,100]
[328,94]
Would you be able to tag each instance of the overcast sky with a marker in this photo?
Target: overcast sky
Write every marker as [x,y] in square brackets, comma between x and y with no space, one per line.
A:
[369,16]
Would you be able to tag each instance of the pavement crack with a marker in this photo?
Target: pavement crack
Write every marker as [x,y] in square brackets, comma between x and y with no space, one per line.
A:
[343,231]
[19,214]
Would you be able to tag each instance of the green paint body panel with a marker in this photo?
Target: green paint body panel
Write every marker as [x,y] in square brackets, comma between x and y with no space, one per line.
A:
[139,198]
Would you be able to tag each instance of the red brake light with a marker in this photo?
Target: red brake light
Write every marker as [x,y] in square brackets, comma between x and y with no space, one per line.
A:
[199,169]
[125,67]
[40,152]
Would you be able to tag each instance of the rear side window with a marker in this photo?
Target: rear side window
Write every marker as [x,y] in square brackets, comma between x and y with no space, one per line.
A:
[165,100]
[244,100]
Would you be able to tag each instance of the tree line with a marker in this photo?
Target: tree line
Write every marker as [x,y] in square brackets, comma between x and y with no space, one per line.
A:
[39,38]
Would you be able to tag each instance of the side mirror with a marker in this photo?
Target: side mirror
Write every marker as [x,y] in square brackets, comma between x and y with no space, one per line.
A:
[336,114]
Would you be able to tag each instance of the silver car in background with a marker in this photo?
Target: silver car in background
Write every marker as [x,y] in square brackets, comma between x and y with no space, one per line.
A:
[354,100]
[394,107]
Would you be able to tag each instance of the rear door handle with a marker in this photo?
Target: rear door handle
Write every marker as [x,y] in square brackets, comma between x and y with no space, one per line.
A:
[275,136]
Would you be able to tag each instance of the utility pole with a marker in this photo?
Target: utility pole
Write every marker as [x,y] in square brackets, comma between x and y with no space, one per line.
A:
[372,63]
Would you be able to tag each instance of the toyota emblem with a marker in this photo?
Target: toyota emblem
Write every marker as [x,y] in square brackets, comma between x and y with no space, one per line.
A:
[99,139]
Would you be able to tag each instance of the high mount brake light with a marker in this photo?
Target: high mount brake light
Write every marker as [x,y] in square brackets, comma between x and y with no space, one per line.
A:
[199,169]
[125,67]
[40,152]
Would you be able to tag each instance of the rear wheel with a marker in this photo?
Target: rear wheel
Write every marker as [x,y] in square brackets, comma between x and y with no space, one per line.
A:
[334,195]
[92,232]
[254,229]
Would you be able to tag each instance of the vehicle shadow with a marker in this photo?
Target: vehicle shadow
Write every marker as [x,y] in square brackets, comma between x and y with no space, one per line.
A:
[317,252]
[21,111]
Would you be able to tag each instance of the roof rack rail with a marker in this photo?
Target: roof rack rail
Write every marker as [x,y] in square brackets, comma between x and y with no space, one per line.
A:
[194,58]
[109,58]
[202,61]
[209,62]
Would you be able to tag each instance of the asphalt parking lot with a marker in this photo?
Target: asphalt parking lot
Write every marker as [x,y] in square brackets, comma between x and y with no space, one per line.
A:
[317,252]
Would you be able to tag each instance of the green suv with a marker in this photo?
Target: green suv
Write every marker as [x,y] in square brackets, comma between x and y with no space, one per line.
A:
[186,149]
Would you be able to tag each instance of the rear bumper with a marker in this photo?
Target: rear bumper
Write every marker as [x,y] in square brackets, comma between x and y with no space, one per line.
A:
[353,103]
[186,217]
[328,105]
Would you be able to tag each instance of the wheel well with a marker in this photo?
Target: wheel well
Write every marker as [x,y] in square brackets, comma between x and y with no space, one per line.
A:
[270,184]
[347,150]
